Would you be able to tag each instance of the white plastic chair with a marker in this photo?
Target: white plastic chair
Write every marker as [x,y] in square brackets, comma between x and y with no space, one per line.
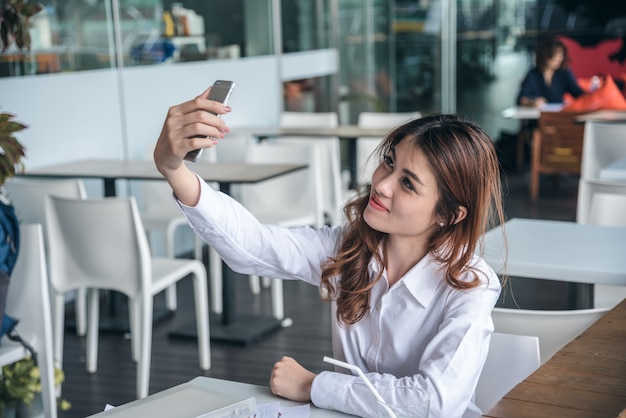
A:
[554,328]
[294,199]
[511,359]
[161,217]
[28,196]
[332,187]
[101,244]
[28,301]
[608,209]
[604,143]
[365,146]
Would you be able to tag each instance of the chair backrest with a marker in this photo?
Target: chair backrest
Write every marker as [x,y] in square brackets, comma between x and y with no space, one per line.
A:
[604,144]
[554,328]
[309,119]
[28,301]
[366,146]
[330,164]
[97,243]
[511,359]
[300,191]
[28,196]
[608,209]
[561,141]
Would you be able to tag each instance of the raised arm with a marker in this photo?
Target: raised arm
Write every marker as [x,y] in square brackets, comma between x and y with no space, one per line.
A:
[188,126]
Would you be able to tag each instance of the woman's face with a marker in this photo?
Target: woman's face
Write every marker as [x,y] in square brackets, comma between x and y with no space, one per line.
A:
[404,194]
[556,60]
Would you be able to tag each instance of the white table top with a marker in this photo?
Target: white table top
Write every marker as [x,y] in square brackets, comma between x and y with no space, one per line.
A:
[559,250]
[146,170]
[341,131]
[202,395]
[604,116]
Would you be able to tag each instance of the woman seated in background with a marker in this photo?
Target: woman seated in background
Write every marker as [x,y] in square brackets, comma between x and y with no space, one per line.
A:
[551,78]
[412,300]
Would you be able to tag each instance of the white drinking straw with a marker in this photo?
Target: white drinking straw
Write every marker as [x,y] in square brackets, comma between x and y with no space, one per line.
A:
[369,385]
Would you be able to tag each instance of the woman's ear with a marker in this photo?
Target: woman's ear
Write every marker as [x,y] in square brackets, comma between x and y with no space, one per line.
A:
[461,214]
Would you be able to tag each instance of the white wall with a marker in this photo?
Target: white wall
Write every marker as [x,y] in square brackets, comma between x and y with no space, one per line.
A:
[119,113]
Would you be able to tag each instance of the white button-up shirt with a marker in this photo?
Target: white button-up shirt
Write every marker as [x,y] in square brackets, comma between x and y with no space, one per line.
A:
[420,333]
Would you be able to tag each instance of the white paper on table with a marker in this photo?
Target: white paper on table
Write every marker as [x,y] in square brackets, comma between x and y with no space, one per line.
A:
[275,410]
[108,407]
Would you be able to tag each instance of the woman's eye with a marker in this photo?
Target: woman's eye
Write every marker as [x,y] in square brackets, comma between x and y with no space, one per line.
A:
[388,161]
[407,183]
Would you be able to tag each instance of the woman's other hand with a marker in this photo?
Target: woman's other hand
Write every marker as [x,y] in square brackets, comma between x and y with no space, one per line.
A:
[291,381]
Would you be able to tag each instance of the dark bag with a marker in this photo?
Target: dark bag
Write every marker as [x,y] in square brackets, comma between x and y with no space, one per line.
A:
[9,249]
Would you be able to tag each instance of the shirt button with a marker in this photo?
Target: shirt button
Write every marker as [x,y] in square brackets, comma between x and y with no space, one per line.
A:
[376,342]
[378,307]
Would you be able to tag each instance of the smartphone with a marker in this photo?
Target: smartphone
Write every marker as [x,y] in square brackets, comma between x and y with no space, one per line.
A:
[220,92]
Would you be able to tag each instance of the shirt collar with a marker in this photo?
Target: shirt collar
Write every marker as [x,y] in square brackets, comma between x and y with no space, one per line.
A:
[422,280]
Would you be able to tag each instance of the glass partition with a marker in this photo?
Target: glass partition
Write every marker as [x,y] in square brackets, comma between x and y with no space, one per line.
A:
[78,35]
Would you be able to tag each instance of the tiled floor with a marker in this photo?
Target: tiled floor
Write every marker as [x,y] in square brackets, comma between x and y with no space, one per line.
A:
[175,360]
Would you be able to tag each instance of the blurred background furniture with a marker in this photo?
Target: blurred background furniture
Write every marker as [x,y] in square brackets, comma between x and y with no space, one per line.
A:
[333,189]
[291,200]
[365,146]
[564,251]
[28,300]
[556,147]
[119,259]
[510,360]
[608,209]
[28,197]
[605,144]
[162,218]
[553,328]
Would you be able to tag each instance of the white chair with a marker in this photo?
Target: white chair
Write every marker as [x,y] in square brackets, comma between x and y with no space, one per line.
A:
[511,359]
[604,143]
[333,189]
[365,146]
[28,197]
[554,328]
[162,218]
[608,209]
[28,301]
[291,200]
[101,244]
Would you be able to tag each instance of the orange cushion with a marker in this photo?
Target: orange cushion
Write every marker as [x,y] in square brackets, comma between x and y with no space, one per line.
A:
[606,97]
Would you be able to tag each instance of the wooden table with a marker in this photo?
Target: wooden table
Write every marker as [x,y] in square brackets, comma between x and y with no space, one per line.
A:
[350,133]
[585,379]
[227,326]
[562,251]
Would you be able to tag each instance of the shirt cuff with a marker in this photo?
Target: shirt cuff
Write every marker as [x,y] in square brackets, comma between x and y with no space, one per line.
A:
[329,390]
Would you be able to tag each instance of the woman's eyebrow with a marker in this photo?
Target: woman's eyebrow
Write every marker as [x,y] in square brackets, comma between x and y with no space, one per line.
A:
[405,170]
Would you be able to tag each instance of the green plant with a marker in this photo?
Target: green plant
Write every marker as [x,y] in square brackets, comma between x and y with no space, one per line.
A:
[20,382]
[15,22]
[11,151]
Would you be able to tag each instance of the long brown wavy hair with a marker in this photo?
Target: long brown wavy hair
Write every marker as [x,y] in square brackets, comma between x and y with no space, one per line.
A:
[464,162]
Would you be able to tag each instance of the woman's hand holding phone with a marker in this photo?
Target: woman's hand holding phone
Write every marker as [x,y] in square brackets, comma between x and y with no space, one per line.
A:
[220,92]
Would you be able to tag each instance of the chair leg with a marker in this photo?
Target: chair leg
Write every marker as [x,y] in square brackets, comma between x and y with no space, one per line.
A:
[266,282]
[134,316]
[58,325]
[170,292]
[92,331]
[145,336]
[80,307]
[202,318]
[215,265]
[255,284]
[278,309]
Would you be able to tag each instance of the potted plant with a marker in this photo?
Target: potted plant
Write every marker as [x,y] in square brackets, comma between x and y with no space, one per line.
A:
[20,389]
[12,151]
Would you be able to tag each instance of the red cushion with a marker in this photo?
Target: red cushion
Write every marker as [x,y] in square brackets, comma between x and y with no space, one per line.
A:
[606,97]
[588,61]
